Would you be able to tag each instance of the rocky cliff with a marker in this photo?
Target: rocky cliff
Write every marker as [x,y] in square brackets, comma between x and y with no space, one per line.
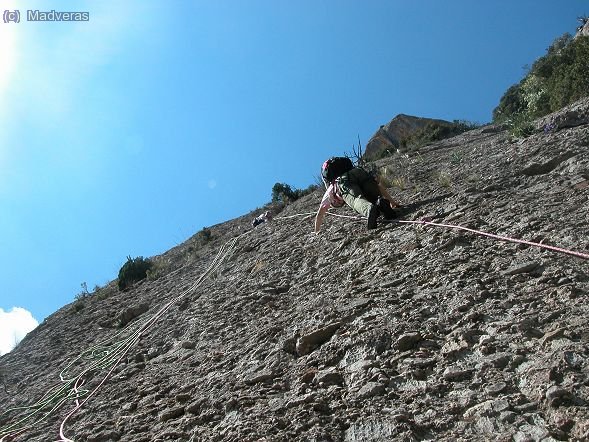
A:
[408,332]
[389,136]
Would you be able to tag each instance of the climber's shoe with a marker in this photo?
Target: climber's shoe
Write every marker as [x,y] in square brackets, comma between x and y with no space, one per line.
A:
[384,206]
[372,216]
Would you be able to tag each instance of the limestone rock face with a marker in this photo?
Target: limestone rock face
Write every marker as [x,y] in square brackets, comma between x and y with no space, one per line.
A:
[575,114]
[402,333]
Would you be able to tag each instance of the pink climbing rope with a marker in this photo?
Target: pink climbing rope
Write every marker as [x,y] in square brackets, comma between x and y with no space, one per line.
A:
[500,237]
[426,221]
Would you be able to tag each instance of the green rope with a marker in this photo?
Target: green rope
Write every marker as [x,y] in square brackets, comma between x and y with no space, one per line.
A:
[88,365]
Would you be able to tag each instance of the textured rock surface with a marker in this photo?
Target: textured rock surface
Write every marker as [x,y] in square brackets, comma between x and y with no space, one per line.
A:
[576,114]
[403,333]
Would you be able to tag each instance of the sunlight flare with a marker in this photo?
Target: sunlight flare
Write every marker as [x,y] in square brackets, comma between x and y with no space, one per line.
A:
[7,52]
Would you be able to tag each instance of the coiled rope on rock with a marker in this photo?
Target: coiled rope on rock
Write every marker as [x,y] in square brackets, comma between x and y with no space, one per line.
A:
[104,358]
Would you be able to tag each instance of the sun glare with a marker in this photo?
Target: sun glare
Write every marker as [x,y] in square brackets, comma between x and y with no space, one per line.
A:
[7,53]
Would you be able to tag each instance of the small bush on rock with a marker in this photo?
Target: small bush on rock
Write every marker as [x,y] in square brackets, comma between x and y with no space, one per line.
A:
[283,193]
[84,293]
[203,236]
[135,269]
[194,244]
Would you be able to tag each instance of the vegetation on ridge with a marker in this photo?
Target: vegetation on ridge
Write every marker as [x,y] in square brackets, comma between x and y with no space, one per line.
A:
[554,81]
[283,193]
[436,131]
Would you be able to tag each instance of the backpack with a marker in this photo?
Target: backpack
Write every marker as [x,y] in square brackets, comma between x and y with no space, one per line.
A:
[335,167]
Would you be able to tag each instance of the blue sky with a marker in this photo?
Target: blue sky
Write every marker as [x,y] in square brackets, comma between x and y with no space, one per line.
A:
[126,134]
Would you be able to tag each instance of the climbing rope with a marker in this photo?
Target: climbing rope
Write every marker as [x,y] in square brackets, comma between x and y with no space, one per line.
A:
[103,359]
[106,356]
[499,237]
[428,222]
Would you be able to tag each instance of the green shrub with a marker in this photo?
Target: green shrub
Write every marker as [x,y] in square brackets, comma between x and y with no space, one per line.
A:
[520,125]
[135,269]
[444,179]
[203,236]
[80,299]
[555,80]
[535,95]
[570,79]
[84,293]
[195,243]
[283,193]
[511,103]
[78,305]
[99,293]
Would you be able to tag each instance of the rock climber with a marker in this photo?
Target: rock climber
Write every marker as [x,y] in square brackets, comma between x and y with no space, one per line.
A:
[355,187]
[263,218]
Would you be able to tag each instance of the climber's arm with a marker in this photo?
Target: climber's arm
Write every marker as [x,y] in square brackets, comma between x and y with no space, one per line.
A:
[320,216]
[384,192]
